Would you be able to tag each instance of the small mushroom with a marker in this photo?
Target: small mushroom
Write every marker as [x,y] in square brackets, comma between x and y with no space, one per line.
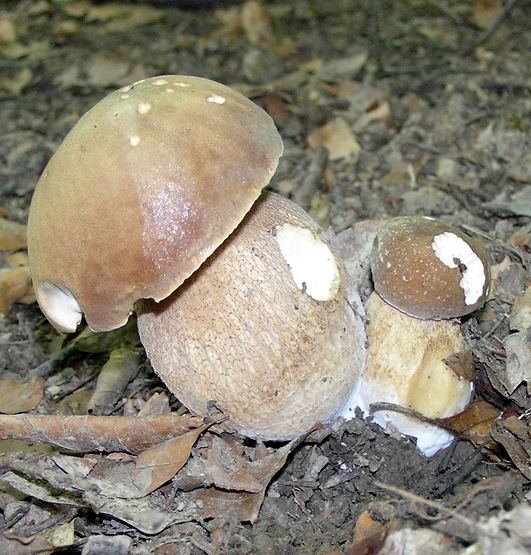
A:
[426,275]
[429,269]
[263,329]
[144,188]
[145,200]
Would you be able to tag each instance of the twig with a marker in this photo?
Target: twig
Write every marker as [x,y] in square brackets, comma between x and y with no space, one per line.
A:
[46,368]
[433,504]
[491,29]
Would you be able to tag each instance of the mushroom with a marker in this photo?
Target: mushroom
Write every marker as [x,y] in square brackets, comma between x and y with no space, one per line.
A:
[429,269]
[145,200]
[426,274]
[263,329]
[144,188]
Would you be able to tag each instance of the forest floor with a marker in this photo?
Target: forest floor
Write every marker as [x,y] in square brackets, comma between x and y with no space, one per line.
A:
[386,109]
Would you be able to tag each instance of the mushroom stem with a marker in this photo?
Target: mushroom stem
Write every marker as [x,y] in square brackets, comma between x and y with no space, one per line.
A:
[263,329]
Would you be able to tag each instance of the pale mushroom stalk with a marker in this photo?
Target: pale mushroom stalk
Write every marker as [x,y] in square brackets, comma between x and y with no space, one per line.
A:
[263,329]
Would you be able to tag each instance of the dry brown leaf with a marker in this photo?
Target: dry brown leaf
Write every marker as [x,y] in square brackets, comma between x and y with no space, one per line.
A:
[121,16]
[337,137]
[245,505]
[369,535]
[518,367]
[12,235]
[520,316]
[97,433]
[158,403]
[485,12]
[256,23]
[474,423]
[14,285]
[45,542]
[225,464]
[166,459]
[515,436]
[18,396]
[462,365]
[114,377]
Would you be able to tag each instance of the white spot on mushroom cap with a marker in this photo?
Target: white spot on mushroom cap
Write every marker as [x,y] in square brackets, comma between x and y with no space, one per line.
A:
[134,140]
[217,99]
[143,107]
[59,305]
[181,84]
[159,82]
[453,251]
[311,262]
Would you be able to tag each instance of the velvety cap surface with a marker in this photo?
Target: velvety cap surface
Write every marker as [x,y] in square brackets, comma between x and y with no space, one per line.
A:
[429,269]
[143,189]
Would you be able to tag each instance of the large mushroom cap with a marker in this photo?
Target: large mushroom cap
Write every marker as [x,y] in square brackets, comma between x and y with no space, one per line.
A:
[143,189]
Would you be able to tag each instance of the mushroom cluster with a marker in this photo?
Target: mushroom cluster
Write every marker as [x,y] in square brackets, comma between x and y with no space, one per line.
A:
[150,204]
[427,274]
[154,204]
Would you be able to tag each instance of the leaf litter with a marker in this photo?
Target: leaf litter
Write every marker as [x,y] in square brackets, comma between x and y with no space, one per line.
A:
[427,126]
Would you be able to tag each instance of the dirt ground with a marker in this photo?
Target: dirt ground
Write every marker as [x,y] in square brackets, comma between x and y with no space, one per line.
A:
[428,107]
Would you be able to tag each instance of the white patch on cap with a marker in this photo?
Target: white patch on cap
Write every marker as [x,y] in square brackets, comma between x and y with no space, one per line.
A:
[217,99]
[124,96]
[159,82]
[134,140]
[453,251]
[59,306]
[181,84]
[311,262]
[143,107]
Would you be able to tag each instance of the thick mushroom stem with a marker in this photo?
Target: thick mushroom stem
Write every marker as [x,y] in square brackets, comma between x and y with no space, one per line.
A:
[263,329]
[405,366]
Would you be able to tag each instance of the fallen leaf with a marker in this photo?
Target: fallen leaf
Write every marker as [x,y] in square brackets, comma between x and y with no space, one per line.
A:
[462,364]
[20,396]
[121,16]
[216,503]
[518,367]
[485,12]
[12,235]
[369,535]
[48,541]
[474,423]
[14,286]
[337,137]
[515,436]
[256,23]
[115,375]
[97,433]
[166,459]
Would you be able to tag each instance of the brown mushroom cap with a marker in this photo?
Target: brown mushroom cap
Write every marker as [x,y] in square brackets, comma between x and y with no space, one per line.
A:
[263,329]
[429,269]
[143,189]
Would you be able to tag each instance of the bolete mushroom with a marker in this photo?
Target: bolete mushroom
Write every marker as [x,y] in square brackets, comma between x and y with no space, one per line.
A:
[144,188]
[426,275]
[135,205]
[263,329]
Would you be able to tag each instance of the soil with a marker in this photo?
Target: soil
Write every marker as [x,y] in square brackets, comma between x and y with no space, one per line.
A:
[439,114]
